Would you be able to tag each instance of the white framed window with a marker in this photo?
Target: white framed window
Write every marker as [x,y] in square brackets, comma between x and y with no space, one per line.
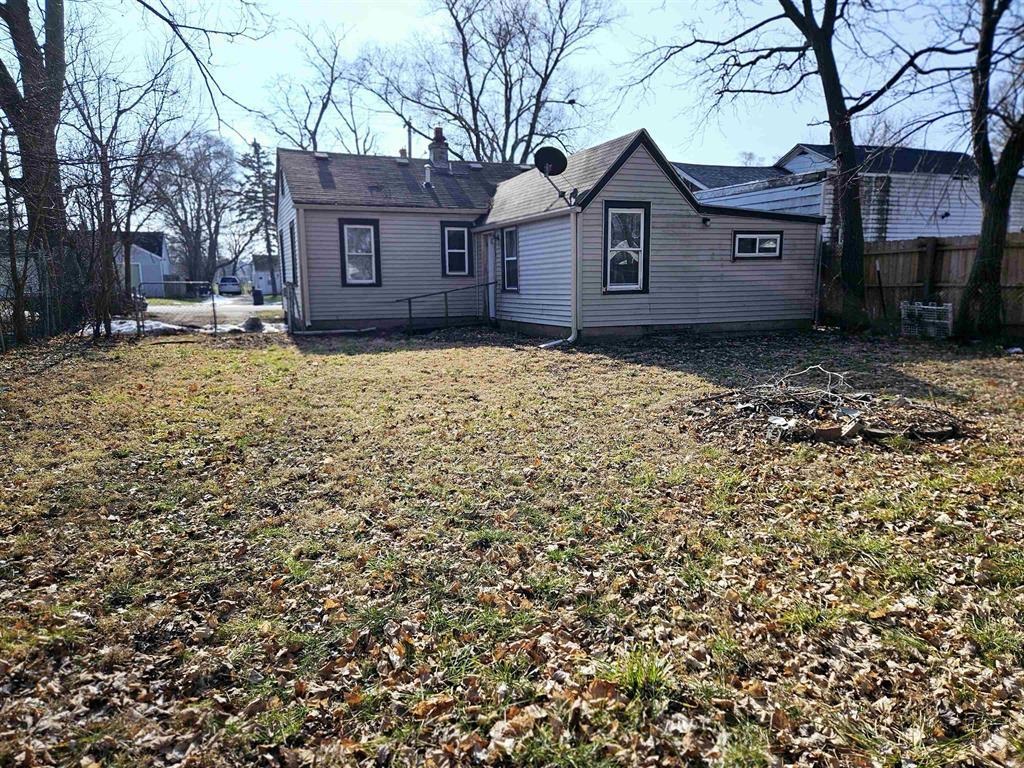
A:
[360,247]
[510,259]
[757,245]
[626,246]
[456,249]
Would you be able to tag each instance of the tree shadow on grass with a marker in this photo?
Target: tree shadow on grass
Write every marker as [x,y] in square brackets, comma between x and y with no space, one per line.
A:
[871,363]
[391,341]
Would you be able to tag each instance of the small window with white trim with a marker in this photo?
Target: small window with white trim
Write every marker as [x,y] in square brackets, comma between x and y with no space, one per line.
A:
[360,249]
[627,229]
[510,259]
[757,245]
[456,249]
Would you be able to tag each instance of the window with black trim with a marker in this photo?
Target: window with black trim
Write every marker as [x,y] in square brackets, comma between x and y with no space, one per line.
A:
[757,245]
[291,248]
[627,234]
[510,259]
[456,249]
[360,252]
[281,247]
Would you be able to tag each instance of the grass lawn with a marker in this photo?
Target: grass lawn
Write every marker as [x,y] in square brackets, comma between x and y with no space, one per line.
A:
[460,549]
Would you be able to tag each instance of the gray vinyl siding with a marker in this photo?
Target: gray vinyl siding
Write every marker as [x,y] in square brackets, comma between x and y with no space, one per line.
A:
[285,216]
[693,279]
[919,203]
[545,275]
[410,264]
[898,206]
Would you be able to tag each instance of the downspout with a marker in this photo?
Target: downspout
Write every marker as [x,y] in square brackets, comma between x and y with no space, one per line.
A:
[574,312]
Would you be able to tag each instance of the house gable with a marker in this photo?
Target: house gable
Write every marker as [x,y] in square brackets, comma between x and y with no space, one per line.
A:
[802,159]
[643,140]
[690,276]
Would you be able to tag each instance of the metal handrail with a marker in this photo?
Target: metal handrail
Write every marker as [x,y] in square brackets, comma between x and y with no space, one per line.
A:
[409,299]
[450,290]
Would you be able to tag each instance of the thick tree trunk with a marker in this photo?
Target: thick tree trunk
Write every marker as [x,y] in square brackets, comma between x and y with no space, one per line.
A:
[127,241]
[851,247]
[847,183]
[980,312]
[41,190]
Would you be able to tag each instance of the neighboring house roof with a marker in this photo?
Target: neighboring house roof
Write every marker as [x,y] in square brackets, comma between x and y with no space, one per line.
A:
[331,178]
[711,176]
[587,171]
[871,158]
[150,241]
[879,159]
[531,194]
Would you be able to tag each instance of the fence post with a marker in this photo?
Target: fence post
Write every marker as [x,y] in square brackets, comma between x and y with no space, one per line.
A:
[446,310]
[408,327]
[933,263]
[213,301]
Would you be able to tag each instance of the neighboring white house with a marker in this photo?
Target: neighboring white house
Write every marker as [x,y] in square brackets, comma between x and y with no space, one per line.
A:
[151,264]
[615,244]
[255,272]
[905,192]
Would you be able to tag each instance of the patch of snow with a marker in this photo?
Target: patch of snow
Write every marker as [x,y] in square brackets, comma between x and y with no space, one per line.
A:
[123,327]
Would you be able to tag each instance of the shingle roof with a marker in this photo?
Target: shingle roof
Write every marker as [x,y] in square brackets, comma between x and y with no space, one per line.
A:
[713,176]
[878,159]
[530,194]
[372,180]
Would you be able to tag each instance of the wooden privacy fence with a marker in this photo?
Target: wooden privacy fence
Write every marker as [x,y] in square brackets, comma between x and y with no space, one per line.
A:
[935,269]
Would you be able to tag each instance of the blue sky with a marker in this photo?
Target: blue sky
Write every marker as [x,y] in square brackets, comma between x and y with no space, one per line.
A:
[670,110]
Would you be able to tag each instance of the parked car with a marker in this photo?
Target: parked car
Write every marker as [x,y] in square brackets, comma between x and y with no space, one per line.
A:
[229,284]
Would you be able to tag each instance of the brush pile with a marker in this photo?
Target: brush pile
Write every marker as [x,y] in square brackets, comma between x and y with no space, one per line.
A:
[816,404]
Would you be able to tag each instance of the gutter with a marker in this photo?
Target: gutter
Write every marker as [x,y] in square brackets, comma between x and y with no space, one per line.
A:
[574,329]
[495,225]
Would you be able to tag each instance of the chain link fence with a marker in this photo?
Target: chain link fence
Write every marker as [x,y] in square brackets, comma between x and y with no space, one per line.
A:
[178,306]
[174,306]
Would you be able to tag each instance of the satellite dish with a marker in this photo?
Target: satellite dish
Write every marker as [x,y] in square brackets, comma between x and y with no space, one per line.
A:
[549,161]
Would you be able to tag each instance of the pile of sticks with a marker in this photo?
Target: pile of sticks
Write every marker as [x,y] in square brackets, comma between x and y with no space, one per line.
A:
[820,405]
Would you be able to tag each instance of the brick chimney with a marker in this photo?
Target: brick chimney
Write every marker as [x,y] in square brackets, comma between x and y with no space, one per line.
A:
[439,150]
[401,152]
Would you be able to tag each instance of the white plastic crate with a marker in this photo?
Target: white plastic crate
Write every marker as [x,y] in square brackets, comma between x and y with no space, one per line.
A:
[930,321]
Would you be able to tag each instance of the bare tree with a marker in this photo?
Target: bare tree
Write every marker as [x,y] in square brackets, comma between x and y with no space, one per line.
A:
[238,245]
[750,158]
[783,52]
[996,114]
[194,193]
[32,73]
[18,263]
[323,100]
[31,88]
[121,125]
[501,80]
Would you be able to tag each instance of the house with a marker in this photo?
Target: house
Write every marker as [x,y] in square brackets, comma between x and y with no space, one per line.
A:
[616,244]
[265,274]
[259,272]
[151,264]
[359,234]
[905,192]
